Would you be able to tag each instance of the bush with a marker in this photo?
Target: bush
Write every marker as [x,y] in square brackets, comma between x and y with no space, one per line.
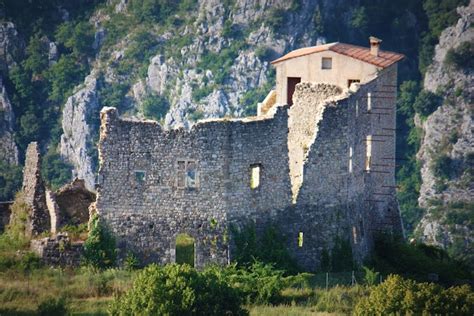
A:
[269,248]
[441,166]
[462,57]
[177,290]
[55,170]
[155,107]
[53,307]
[99,248]
[398,296]
[426,103]
[10,180]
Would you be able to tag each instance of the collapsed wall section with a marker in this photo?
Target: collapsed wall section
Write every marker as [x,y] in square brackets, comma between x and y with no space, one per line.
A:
[155,184]
[310,100]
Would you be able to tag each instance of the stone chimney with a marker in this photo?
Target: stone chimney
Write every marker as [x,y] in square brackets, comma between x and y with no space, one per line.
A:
[374,45]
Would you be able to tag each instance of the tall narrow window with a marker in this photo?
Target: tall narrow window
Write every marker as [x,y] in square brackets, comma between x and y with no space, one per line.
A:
[191,174]
[357,108]
[354,234]
[326,63]
[368,155]
[361,228]
[186,174]
[350,159]
[300,239]
[369,102]
[254,176]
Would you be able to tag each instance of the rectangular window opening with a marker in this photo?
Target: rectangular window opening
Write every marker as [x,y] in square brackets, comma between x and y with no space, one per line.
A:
[255,176]
[140,176]
[187,174]
[351,81]
[357,108]
[300,239]
[361,228]
[369,102]
[354,234]
[326,63]
[350,159]
[368,156]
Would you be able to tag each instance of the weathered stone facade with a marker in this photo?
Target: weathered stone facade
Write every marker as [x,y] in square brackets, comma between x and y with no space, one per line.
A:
[322,169]
[34,190]
[58,250]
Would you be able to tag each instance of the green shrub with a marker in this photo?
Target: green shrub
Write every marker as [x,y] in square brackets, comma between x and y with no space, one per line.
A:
[131,262]
[53,307]
[269,247]
[177,290]
[426,103]
[99,248]
[441,166]
[398,296]
[55,170]
[155,106]
[371,276]
[275,19]
[29,261]
[462,57]
[10,180]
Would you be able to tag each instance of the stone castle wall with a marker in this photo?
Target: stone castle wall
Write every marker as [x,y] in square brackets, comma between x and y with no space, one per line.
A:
[140,197]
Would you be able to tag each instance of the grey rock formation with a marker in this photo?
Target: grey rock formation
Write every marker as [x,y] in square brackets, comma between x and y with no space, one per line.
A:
[448,133]
[78,128]
[10,46]
[8,148]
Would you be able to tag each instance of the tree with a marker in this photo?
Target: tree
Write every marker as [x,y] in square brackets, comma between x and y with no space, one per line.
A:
[426,103]
[99,248]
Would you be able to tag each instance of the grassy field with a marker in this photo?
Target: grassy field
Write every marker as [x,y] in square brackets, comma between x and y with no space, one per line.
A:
[89,291]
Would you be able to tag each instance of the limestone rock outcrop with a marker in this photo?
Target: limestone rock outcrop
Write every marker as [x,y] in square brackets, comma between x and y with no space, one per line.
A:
[448,138]
[8,148]
[80,115]
[11,46]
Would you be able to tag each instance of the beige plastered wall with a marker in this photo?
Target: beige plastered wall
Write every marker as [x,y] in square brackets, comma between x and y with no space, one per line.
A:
[308,68]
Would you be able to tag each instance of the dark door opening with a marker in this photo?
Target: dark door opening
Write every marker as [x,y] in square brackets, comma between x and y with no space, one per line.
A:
[185,249]
[291,84]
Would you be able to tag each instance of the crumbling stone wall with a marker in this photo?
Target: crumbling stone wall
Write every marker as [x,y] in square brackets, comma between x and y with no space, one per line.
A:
[34,192]
[73,200]
[58,250]
[307,110]
[140,198]
[146,215]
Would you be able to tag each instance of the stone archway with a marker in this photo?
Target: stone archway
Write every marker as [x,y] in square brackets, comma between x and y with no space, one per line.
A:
[185,247]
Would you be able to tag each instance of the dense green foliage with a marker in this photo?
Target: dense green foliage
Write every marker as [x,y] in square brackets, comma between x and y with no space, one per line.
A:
[178,290]
[53,307]
[99,248]
[10,180]
[55,171]
[398,296]
[270,247]
[155,107]
[462,57]
[416,261]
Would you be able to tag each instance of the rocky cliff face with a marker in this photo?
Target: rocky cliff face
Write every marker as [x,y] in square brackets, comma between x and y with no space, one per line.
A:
[8,148]
[184,78]
[447,149]
[77,141]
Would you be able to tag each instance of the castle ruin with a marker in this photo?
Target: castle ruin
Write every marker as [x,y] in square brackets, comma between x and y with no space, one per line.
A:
[318,161]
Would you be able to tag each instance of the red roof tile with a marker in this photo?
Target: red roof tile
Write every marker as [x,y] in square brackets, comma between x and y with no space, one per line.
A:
[383,60]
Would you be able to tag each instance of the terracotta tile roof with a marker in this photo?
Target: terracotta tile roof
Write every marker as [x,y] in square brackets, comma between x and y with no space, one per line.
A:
[384,59]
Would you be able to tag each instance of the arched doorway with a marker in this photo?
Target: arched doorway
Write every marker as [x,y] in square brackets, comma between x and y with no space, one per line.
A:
[185,248]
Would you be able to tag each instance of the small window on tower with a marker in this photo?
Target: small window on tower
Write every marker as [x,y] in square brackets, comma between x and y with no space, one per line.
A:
[368,155]
[300,239]
[186,174]
[350,159]
[326,63]
[351,81]
[255,176]
[369,102]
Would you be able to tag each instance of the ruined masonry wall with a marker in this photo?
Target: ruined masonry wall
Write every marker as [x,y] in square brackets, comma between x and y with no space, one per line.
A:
[147,215]
[34,190]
